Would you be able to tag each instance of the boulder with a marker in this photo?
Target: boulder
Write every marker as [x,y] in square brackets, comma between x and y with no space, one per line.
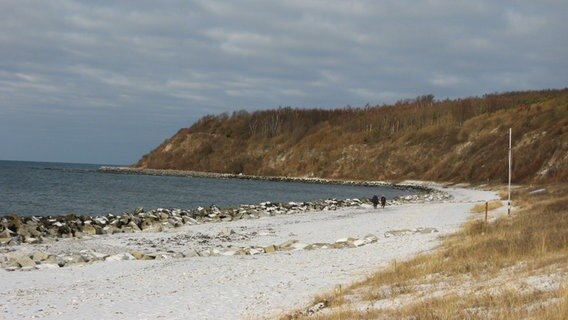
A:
[32,240]
[226,231]
[137,255]
[370,238]
[359,242]
[40,256]
[25,262]
[255,251]
[74,259]
[30,229]
[149,256]
[43,266]
[154,227]
[189,220]
[6,234]
[120,256]
[270,249]
[214,252]
[92,255]
[287,245]
[89,229]
[191,253]
[300,246]
[110,229]
[51,259]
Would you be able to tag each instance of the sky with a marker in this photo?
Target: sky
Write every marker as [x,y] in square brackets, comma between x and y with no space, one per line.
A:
[108,81]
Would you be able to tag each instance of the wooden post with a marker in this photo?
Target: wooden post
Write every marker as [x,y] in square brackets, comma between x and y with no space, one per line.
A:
[486,208]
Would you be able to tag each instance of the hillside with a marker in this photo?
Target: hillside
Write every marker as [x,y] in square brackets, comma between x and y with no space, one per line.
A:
[451,140]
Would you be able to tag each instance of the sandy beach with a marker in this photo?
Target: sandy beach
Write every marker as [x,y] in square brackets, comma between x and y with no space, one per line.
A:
[229,286]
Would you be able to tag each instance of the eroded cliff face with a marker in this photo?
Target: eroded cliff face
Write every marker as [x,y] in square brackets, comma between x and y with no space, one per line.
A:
[453,140]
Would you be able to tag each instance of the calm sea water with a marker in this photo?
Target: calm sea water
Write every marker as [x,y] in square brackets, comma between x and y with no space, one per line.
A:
[38,188]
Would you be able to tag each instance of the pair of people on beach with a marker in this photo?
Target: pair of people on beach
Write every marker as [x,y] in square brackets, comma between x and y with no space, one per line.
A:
[375,201]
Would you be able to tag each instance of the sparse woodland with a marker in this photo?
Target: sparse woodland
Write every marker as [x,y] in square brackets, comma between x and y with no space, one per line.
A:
[463,140]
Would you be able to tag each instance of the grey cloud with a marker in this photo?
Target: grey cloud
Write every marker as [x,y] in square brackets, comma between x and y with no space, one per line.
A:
[108,72]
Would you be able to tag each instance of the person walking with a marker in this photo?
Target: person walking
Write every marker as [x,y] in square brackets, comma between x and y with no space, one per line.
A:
[375,201]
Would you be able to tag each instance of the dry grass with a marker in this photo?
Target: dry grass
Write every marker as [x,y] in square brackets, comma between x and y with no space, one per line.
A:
[491,205]
[515,267]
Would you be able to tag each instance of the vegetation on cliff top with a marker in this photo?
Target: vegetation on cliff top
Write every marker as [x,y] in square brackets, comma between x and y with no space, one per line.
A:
[421,138]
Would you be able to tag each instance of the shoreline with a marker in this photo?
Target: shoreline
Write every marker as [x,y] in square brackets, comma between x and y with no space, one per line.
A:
[16,229]
[202,174]
[292,258]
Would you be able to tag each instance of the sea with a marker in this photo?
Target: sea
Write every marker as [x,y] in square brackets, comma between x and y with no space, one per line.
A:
[49,189]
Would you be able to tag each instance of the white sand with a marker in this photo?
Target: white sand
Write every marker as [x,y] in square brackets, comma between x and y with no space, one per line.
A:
[227,287]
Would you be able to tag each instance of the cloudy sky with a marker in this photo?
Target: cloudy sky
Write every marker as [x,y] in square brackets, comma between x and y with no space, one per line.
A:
[107,81]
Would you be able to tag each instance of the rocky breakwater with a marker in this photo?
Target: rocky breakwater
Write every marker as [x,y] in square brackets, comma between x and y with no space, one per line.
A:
[189,173]
[16,230]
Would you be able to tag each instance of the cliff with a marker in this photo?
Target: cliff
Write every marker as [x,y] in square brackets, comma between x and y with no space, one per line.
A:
[462,140]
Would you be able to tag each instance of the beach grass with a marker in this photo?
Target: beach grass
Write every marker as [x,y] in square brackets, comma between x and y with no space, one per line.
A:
[511,268]
[491,205]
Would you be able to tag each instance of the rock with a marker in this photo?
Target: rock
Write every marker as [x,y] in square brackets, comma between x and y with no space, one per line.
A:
[255,251]
[359,242]
[325,246]
[32,240]
[226,231]
[345,240]
[6,234]
[40,256]
[74,259]
[137,255]
[44,266]
[229,253]
[91,255]
[101,220]
[11,262]
[51,259]
[425,230]
[287,245]
[14,241]
[342,240]
[191,253]
[30,230]
[134,226]
[189,220]
[162,256]
[120,257]
[269,249]
[110,229]
[396,233]
[25,262]
[89,229]
[300,246]
[149,256]
[317,307]
[370,238]
[214,252]
[165,225]
[337,245]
